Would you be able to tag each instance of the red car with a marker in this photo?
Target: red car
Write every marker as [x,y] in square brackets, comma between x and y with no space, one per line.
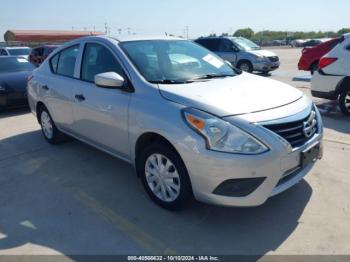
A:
[311,55]
[39,54]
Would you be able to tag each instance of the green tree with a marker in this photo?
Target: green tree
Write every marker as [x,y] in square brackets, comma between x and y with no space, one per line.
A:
[344,31]
[244,32]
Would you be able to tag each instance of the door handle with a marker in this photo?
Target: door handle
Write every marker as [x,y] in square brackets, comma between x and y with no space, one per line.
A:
[80,97]
[45,87]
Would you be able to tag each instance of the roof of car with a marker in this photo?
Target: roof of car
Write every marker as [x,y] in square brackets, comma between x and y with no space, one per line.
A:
[17,47]
[142,38]
[12,56]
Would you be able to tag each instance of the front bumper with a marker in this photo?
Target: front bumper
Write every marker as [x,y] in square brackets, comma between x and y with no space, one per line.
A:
[266,66]
[280,169]
[324,86]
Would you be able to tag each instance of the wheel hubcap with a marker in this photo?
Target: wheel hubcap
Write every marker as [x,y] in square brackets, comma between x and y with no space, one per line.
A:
[347,101]
[244,67]
[162,177]
[46,125]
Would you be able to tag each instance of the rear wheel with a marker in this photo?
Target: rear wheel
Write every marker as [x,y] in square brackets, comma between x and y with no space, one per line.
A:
[48,127]
[164,176]
[245,66]
[344,101]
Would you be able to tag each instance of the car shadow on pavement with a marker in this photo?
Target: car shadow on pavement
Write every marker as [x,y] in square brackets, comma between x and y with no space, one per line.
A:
[332,117]
[75,200]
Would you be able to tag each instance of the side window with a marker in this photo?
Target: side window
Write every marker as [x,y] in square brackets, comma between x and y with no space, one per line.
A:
[98,59]
[3,52]
[40,51]
[225,45]
[54,62]
[66,61]
[212,44]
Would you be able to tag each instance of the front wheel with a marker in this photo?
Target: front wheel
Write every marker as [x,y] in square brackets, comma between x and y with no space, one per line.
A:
[164,176]
[245,66]
[344,101]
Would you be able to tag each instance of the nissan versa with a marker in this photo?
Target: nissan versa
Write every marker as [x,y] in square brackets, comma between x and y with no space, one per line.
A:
[190,123]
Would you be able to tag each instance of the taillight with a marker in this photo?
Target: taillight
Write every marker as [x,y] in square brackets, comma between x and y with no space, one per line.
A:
[326,61]
[29,78]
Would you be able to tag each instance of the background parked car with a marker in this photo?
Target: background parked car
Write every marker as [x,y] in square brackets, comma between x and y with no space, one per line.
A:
[22,51]
[14,72]
[332,80]
[39,54]
[311,55]
[241,53]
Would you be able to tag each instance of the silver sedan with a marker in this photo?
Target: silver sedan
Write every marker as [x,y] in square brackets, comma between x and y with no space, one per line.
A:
[191,125]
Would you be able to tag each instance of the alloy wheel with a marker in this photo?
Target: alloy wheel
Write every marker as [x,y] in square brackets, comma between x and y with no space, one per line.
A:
[46,124]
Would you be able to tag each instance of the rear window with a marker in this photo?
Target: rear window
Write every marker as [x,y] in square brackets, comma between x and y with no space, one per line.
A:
[211,44]
[14,64]
[19,51]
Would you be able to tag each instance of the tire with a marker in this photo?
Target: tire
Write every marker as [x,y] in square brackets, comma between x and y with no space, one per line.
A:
[171,193]
[49,129]
[245,66]
[344,101]
[314,68]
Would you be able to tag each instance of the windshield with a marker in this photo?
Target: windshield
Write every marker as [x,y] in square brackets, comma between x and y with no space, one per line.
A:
[14,64]
[19,51]
[175,61]
[245,44]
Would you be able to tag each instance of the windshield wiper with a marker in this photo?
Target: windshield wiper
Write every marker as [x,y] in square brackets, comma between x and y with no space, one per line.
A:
[211,76]
[170,82]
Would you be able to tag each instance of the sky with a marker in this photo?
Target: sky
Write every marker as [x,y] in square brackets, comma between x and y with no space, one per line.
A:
[154,17]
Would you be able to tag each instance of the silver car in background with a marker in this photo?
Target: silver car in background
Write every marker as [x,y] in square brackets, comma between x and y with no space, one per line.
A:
[242,53]
[189,123]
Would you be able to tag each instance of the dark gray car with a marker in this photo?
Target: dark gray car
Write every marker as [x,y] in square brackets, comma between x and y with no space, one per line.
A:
[14,72]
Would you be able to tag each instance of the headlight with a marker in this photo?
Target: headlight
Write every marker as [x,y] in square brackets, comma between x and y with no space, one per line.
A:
[221,135]
[261,59]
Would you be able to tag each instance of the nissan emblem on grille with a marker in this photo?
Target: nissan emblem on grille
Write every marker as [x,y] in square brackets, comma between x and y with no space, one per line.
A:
[309,128]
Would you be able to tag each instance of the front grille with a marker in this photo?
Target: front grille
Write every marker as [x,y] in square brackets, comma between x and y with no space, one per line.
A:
[273,59]
[298,132]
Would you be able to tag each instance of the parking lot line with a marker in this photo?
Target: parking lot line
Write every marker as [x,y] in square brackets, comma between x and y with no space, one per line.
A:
[146,241]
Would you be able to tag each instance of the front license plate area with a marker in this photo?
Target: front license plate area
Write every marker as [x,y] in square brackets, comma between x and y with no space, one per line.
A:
[310,155]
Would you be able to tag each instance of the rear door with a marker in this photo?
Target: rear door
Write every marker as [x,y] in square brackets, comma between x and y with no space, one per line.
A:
[57,88]
[101,114]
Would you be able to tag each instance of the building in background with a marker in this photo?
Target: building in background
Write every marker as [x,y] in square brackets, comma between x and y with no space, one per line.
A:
[39,37]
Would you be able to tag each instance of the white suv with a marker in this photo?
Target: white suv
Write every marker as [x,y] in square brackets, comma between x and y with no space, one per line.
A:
[332,81]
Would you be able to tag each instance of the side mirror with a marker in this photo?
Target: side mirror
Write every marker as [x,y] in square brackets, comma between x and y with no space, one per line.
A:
[109,80]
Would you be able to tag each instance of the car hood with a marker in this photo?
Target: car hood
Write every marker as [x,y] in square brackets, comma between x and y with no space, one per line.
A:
[242,94]
[265,53]
[15,81]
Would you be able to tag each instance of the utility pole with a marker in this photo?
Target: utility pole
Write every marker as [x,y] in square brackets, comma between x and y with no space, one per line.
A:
[187,29]
[106,28]
[129,30]
[72,28]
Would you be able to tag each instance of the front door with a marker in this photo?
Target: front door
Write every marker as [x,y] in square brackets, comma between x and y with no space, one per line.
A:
[101,114]
[227,51]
